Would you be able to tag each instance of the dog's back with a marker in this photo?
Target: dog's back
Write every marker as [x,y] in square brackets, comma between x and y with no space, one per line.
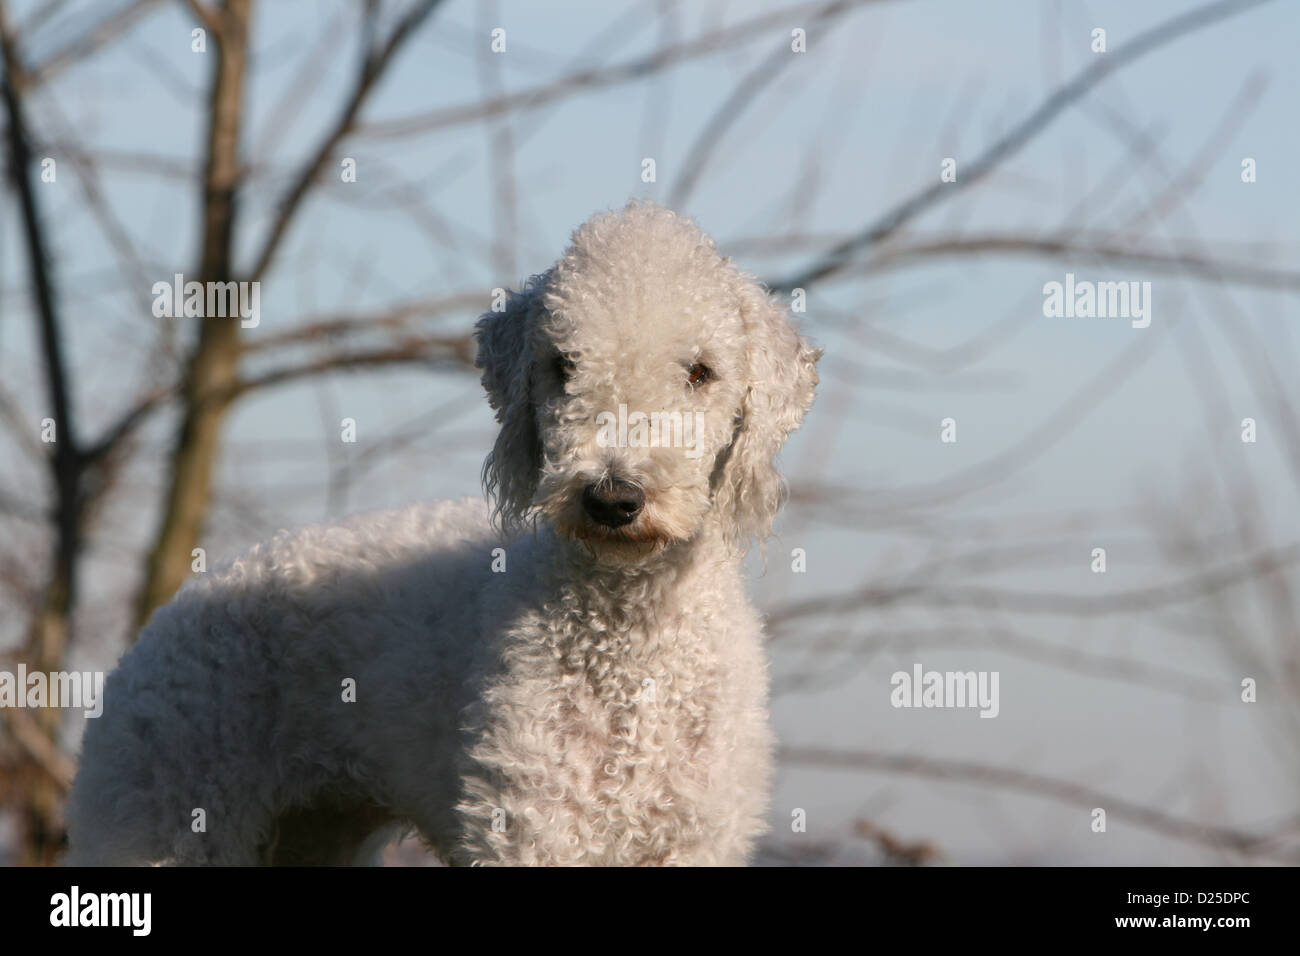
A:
[270,683]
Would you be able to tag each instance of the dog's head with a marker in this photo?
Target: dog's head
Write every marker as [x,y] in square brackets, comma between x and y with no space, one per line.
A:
[643,385]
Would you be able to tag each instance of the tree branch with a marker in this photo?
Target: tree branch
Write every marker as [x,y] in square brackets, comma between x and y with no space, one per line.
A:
[746,90]
[1189,588]
[841,255]
[598,77]
[453,350]
[1180,263]
[1003,778]
[80,49]
[373,65]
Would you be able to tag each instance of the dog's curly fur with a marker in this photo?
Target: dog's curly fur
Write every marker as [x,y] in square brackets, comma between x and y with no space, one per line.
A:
[585,695]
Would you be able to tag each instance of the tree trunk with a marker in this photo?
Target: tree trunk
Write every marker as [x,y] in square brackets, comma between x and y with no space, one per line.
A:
[213,364]
[51,631]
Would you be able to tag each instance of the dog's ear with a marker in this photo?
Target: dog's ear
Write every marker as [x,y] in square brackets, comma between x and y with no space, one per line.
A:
[504,338]
[782,370]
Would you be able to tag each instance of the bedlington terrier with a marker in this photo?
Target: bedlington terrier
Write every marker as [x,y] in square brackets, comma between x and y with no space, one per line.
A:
[571,676]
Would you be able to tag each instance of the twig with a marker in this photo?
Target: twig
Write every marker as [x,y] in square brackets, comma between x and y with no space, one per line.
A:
[596,77]
[1004,778]
[80,49]
[841,255]
[373,65]
[733,106]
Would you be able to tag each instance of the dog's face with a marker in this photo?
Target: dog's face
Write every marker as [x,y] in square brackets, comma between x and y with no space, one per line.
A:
[638,379]
[643,386]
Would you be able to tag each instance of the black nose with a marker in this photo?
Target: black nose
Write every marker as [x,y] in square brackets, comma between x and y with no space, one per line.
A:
[613,503]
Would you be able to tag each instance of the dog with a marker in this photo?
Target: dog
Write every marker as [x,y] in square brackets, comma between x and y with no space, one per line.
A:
[567,673]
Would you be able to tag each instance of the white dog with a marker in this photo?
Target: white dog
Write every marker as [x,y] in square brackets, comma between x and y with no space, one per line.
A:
[581,681]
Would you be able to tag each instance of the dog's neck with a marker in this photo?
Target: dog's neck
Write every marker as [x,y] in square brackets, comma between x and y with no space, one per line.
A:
[621,622]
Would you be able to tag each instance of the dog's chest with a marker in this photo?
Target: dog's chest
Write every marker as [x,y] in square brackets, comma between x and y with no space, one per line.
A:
[641,727]
[612,732]
[638,695]
[629,722]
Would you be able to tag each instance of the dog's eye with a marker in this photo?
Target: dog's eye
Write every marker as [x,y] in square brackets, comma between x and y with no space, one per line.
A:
[563,366]
[699,374]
